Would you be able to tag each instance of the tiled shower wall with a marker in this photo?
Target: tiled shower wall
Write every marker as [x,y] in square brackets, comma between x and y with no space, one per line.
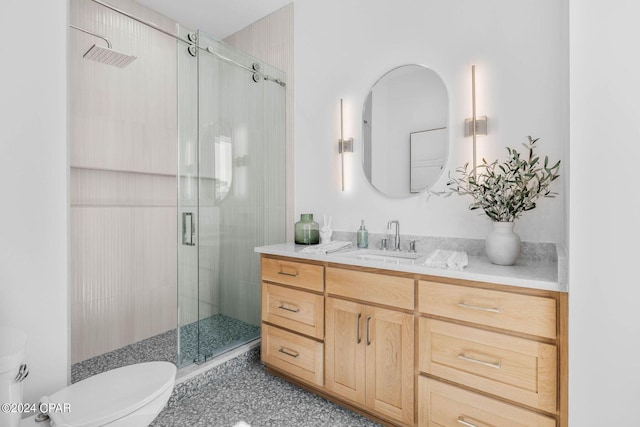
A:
[270,39]
[123,152]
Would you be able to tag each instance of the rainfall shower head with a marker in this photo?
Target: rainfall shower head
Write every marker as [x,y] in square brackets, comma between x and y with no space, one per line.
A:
[108,56]
[105,55]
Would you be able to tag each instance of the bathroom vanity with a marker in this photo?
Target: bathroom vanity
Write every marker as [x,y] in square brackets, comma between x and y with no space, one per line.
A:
[409,345]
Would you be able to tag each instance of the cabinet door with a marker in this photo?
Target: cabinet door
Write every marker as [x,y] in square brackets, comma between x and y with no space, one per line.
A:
[345,349]
[389,369]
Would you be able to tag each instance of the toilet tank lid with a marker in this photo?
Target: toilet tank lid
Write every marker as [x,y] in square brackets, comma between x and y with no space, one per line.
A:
[111,395]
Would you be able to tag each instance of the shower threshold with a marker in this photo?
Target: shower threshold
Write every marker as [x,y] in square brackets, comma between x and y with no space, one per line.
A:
[200,341]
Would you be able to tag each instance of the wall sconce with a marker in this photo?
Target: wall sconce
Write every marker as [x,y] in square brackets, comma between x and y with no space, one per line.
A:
[344,145]
[475,125]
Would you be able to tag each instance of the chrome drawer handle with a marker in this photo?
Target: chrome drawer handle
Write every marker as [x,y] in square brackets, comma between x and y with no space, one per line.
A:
[287,308]
[477,307]
[368,339]
[358,338]
[288,274]
[464,422]
[289,352]
[496,365]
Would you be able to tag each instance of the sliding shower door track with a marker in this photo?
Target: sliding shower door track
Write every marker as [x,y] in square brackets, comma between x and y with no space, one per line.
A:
[207,49]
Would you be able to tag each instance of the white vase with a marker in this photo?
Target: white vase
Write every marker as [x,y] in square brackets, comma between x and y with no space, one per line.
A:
[502,244]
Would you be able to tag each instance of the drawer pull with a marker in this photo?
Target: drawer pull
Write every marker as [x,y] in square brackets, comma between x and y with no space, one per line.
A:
[464,422]
[292,308]
[466,358]
[477,307]
[288,274]
[289,352]
[368,320]
[359,339]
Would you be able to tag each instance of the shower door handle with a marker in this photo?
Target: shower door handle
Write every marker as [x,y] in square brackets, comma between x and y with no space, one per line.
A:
[188,229]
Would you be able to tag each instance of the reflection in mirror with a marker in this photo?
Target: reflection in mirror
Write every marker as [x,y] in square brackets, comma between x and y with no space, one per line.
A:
[216,162]
[223,167]
[405,131]
[427,151]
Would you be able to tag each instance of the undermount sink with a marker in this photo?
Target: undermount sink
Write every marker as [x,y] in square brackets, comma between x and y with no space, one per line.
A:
[390,257]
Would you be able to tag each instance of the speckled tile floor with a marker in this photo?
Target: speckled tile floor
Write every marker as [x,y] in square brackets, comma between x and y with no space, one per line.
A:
[250,395]
[159,347]
[230,394]
[218,332]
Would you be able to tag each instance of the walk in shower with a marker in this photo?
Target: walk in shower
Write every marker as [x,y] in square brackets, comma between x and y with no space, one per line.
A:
[231,192]
[177,171]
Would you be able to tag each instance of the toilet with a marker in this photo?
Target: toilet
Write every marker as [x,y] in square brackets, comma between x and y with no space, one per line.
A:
[131,396]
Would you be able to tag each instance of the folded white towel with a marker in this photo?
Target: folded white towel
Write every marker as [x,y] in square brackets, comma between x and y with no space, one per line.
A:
[326,248]
[441,258]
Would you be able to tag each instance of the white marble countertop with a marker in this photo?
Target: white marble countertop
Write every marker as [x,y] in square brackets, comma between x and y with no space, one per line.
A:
[546,274]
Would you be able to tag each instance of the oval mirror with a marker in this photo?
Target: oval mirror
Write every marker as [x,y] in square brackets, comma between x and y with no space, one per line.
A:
[405,131]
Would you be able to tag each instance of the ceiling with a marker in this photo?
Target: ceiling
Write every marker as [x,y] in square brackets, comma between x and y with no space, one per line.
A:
[218,18]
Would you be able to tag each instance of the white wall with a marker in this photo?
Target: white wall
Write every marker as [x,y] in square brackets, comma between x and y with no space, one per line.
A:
[343,47]
[604,320]
[33,185]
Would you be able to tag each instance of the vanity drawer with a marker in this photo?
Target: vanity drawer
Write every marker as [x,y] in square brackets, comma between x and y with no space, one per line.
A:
[444,405]
[371,287]
[299,311]
[514,368]
[299,274]
[294,354]
[520,313]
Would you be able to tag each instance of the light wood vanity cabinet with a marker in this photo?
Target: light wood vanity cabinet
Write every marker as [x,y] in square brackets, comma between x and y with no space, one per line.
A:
[407,349]
[293,318]
[498,350]
[369,342]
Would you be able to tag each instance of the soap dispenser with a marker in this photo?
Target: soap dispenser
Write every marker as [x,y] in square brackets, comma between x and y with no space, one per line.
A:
[363,236]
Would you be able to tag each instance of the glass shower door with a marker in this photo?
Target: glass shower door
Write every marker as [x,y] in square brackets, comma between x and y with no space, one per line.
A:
[188,195]
[239,195]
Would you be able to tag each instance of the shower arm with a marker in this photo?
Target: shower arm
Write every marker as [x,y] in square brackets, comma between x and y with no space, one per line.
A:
[189,42]
[93,34]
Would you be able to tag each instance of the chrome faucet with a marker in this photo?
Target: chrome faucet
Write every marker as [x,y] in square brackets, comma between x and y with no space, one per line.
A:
[396,239]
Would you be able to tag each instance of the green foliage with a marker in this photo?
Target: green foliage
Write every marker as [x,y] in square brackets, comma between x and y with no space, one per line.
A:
[505,190]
